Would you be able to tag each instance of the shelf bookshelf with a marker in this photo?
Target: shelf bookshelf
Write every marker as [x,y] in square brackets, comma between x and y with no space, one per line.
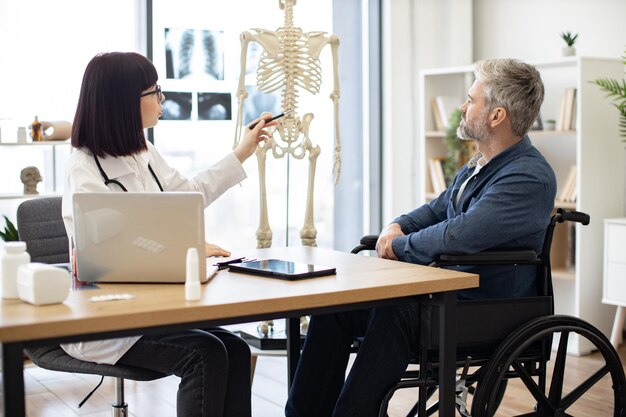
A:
[593,148]
[47,156]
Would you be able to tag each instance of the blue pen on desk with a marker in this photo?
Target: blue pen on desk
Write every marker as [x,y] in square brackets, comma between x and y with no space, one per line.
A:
[271,119]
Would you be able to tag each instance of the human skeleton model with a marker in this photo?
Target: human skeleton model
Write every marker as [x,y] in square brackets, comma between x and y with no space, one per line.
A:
[290,61]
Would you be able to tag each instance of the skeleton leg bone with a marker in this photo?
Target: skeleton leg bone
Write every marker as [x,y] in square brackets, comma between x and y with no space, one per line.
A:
[263,233]
[308,233]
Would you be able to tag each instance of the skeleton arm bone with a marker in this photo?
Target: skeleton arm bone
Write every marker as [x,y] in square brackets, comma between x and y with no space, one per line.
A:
[334,43]
[316,42]
[242,94]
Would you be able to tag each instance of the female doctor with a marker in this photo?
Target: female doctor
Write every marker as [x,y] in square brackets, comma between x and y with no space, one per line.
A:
[119,98]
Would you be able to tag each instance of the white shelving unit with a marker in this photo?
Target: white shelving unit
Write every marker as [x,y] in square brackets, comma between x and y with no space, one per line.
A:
[614,286]
[594,148]
[48,156]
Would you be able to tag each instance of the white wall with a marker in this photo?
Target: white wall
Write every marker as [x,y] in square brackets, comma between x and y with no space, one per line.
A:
[530,29]
[417,34]
[45,47]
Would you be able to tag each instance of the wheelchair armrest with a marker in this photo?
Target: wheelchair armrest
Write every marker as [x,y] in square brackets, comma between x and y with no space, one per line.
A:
[525,257]
[510,257]
[367,242]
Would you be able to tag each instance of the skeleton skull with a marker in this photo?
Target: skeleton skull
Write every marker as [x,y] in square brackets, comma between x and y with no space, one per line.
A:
[30,176]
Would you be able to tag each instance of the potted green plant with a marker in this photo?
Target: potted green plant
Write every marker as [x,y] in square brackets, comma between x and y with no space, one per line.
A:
[616,90]
[10,232]
[459,151]
[570,40]
[549,124]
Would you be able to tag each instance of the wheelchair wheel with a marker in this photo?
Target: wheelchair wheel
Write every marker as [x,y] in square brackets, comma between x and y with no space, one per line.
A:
[555,402]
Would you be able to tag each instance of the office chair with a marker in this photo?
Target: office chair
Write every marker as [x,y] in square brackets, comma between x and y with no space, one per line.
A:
[40,225]
[510,338]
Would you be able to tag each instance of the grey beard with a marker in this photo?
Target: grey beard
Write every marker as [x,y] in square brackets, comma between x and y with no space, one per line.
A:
[461,134]
[465,134]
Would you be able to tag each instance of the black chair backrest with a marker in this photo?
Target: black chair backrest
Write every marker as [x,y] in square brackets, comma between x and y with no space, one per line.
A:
[40,225]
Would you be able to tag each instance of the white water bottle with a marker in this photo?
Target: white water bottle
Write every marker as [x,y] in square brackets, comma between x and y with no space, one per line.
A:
[13,256]
[192,277]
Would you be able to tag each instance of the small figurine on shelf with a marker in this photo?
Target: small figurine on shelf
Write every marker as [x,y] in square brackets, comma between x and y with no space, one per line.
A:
[30,176]
[36,131]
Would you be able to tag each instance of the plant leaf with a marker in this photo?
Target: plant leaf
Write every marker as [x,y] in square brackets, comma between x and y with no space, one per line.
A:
[10,232]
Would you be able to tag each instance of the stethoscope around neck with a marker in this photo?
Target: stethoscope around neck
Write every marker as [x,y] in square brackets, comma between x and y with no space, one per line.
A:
[108,181]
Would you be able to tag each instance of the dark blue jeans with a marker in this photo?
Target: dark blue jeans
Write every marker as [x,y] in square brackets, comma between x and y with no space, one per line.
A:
[320,388]
[213,366]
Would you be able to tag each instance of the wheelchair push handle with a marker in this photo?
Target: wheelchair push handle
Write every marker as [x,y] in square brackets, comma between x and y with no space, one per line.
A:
[367,242]
[573,216]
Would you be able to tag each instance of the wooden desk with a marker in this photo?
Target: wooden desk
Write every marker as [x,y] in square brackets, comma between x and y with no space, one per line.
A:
[228,298]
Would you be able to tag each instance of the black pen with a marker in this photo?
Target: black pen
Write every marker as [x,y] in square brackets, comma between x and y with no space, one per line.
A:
[225,264]
[271,119]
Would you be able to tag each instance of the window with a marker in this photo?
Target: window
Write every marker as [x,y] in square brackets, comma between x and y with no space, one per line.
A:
[45,51]
[197,51]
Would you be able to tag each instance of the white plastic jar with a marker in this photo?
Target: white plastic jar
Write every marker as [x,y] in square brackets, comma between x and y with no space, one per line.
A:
[13,256]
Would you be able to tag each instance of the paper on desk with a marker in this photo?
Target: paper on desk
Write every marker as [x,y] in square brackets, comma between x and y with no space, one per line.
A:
[211,270]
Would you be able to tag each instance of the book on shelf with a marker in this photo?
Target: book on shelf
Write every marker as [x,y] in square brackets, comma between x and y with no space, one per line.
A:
[568,190]
[566,119]
[439,125]
[437,178]
[572,125]
[560,115]
[570,257]
[443,107]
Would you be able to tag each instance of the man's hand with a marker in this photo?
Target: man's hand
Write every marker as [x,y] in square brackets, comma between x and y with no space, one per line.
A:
[383,245]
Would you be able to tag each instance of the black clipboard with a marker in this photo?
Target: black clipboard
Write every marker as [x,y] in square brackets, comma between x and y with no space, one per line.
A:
[276,268]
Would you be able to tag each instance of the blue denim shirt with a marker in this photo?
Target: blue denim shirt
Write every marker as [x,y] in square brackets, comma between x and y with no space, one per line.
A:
[507,205]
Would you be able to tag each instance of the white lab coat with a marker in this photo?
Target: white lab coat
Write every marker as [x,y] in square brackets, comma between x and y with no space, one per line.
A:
[82,174]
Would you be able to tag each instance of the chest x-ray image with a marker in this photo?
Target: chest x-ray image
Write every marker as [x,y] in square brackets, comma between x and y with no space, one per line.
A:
[214,106]
[194,54]
[177,106]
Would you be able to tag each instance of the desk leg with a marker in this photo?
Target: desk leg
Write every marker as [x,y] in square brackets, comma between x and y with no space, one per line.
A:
[447,353]
[13,384]
[293,348]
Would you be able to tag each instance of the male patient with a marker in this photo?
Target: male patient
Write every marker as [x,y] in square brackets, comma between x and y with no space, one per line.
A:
[501,199]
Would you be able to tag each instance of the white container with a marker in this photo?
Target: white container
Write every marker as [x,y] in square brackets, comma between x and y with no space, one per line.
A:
[42,284]
[13,257]
[21,135]
[192,277]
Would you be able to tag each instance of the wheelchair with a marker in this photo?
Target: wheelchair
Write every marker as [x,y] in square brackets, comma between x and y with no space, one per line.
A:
[501,339]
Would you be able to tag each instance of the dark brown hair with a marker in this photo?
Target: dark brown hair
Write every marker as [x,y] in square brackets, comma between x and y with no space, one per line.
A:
[108,115]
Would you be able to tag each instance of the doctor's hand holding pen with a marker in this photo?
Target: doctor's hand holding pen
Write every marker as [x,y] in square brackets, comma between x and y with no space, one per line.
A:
[256,133]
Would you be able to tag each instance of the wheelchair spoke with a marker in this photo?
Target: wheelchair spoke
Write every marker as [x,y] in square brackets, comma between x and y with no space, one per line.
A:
[556,387]
[532,386]
[584,387]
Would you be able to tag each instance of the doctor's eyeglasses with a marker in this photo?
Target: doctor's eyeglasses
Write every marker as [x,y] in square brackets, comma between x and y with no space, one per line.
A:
[157,91]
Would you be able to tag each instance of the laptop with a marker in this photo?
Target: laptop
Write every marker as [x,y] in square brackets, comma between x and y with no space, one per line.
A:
[137,237]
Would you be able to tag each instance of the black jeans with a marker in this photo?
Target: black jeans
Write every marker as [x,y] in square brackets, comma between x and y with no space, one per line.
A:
[319,390]
[213,366]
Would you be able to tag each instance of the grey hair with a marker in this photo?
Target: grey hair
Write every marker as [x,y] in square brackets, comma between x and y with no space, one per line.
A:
[514,85]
